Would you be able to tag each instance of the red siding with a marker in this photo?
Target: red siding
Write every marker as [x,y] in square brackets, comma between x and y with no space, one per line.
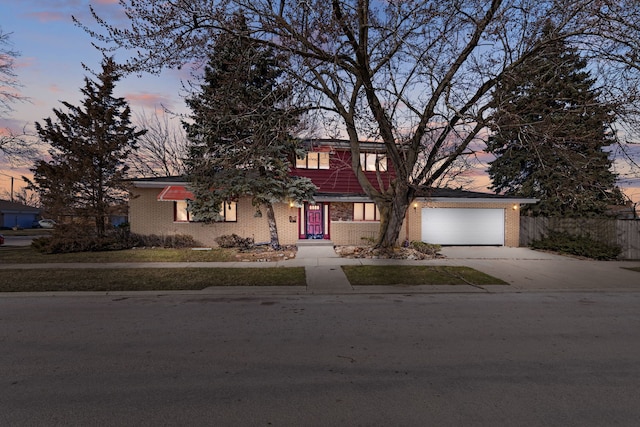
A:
[339,178]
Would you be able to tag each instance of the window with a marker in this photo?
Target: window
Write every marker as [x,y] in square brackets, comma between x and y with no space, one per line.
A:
[373,162]
[229,211]
[313,160]
[181,212]
[365,212]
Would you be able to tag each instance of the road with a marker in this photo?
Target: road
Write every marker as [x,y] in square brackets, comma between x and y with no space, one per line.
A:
[530,359]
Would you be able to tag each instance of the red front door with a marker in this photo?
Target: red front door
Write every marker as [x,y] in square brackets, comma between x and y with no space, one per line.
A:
[314,222]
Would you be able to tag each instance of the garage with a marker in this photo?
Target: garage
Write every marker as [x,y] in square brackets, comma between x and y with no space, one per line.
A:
[463,226]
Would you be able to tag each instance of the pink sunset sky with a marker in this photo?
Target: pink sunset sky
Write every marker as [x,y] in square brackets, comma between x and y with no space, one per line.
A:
[50,70]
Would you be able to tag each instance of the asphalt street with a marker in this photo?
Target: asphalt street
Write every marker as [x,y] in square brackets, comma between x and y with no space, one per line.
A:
[505,359]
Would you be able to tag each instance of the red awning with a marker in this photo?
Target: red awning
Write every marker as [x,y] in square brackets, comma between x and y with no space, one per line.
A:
[172,193]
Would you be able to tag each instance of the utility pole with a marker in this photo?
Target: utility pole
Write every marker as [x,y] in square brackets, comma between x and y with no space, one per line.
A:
[11,184]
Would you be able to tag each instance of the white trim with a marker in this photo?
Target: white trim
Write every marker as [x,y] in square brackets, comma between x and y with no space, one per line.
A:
[476,200]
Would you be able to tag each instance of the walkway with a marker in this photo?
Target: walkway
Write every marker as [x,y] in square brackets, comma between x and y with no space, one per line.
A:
[322,269]
[525,270]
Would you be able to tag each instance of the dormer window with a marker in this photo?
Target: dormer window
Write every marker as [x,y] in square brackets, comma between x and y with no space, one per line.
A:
[373,162]
[313,160]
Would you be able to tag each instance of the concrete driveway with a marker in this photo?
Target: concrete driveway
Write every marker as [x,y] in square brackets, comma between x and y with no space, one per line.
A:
[496,252]
[18,240]
[530,270]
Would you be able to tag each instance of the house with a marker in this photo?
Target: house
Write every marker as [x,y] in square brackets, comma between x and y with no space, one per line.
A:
[17,215]
[341,212]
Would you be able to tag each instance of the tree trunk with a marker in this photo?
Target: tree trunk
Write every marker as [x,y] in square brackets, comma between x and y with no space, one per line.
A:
[100,228]
[392,215]
[273,228]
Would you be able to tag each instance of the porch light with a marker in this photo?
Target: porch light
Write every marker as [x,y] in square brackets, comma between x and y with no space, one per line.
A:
[515,207]
[415,206]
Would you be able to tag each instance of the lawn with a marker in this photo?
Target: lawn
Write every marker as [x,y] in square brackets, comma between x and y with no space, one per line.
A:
[417,275]
[145,279]
[26,255]
[162,279]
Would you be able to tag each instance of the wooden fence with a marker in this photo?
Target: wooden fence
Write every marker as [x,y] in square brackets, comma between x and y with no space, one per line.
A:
[624,233]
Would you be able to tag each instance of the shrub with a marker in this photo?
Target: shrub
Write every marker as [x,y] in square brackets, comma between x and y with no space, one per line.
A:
[66,239]
[80,242]
[584,246]
[369,241]
[234,241]
[175,241]
[425,248]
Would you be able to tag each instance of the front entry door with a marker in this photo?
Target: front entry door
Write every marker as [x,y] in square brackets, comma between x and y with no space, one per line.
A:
[314,222]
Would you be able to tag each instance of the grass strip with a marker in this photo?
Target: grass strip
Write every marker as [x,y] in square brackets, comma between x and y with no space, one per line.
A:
[632,268]
[26,255]
[146,279]
[363,275]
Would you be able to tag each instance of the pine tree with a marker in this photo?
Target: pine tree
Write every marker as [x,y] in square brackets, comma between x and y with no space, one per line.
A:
[549,131]
[239,135]
[88,148]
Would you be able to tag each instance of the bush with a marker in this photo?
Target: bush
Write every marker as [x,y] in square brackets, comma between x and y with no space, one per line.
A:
[584,246]
[425,248]
[234,241]
[67,239]
[369,241]
[175,241]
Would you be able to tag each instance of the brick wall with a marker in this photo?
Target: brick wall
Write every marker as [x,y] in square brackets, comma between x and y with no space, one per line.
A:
[148,216]
[511,220]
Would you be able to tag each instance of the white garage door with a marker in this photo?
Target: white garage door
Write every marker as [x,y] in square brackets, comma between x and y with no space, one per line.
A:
[452,226]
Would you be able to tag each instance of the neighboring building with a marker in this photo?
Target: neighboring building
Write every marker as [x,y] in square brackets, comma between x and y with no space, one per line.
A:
[341,211]
[14,215]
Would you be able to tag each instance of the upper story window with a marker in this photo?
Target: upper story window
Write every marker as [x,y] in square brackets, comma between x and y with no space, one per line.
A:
[373,162]
[314,160]
[181,212]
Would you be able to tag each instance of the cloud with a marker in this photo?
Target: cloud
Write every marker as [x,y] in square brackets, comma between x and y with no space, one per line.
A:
[149,100]
[54,88]
[48,16]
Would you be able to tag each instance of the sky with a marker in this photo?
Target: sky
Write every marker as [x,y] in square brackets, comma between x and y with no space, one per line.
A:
[50,70]
[52,50]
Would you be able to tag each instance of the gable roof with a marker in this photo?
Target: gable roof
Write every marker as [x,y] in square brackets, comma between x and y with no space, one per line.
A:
[450,194]
[12,207]
[174,188]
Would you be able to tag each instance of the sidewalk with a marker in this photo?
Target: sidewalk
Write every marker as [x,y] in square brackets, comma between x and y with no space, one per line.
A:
[525,270]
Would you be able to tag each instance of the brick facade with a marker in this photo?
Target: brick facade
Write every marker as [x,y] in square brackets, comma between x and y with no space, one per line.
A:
[147,215]
[511,217]
[150,216]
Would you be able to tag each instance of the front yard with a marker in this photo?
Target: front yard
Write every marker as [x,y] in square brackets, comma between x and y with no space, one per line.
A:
[136,278]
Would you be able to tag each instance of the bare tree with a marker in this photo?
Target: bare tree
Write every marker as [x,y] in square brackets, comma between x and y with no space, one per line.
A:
[9,84]
[415,75]
[24,196]
[13,146]
[162,150]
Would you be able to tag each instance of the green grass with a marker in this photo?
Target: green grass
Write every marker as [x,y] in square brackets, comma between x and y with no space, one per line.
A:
[417,275]
[26,255]
[145,279]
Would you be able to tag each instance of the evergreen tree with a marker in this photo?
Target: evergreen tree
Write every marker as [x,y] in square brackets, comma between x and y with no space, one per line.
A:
[549,131]
[88,148]
[239,136]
